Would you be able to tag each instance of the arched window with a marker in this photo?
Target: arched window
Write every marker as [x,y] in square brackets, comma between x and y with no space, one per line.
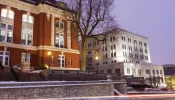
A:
[27,29]
[6,25]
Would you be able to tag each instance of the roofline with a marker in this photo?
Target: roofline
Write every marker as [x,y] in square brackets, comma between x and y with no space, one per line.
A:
[133,33]
[36,4]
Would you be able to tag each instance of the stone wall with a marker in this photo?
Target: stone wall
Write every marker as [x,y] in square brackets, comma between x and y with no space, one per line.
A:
[57,91]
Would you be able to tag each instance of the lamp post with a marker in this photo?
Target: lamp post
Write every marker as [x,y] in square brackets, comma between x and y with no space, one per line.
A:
[97,62]
[49,53]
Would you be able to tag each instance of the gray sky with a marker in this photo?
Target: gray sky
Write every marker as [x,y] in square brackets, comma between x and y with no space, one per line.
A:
[154,19]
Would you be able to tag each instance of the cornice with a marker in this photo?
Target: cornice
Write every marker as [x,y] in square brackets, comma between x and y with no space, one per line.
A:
[44,8]
[41,47]
[52,48]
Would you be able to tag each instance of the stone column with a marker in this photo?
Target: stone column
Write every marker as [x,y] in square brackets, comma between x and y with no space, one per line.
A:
[68,35]
[52,30]
[121,86]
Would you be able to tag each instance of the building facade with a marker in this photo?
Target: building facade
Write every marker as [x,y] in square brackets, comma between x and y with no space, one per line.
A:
[123,53]
[37,27]
[169,70]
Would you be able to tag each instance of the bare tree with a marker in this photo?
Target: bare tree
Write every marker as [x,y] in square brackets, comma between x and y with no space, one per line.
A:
[154,81]
[92,18]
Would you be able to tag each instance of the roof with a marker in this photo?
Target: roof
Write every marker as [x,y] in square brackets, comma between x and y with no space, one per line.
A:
[169,70]
[53,3]
[133,33]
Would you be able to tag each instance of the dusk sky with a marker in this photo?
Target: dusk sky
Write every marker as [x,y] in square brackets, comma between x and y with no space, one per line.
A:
[154,19]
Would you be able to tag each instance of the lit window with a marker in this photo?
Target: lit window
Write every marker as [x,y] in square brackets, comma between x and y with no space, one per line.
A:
[4,58]
[59,25]
[27,30]
[61,61]
[4,13]
[6,25]
[60,40]
[7,13]
[59,35]
[25,58]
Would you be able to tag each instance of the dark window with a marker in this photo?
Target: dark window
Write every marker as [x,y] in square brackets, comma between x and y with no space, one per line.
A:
[111,54]
[157,72]
[114,54]
[109,71]
[117,70]
[115,61]
[112,61]
[147,71]
[105,48]
[160,71]
[145,44]
[111,47]
[135,41]
[146,51]
[89,45]
[89,52]
[114,38]
[114,46]
[153,71]
[140,43]
[111,39]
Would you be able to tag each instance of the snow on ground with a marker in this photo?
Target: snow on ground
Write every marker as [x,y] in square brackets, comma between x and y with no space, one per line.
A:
[150,91]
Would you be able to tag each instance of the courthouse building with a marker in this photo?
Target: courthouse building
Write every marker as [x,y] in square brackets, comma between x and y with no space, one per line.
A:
[37,27]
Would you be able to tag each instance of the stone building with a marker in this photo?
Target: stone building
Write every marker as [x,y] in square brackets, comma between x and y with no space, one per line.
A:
[37,26]
[122,53]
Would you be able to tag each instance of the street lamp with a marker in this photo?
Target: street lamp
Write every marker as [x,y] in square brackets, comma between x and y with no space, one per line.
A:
[97,62]
[49,53]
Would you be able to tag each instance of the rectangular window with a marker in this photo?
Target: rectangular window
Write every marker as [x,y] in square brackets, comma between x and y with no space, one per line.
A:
[25,58]
[59,25]
[89,52]
[139,72]
[157,72]
[70,61]
[111,47]
[147,71]
[114,54]
[4,58]
[140,43]
[133,71]
[114,46]
[117,70]
[109,71]
[153,71]
[111,54]
[52,60]
[128,70]
[59,40]
[61,61]
[145,44]
[146,51]
[114,38]
[89,45]
[106,56]
[105,48]
[160,71]
[110,39]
